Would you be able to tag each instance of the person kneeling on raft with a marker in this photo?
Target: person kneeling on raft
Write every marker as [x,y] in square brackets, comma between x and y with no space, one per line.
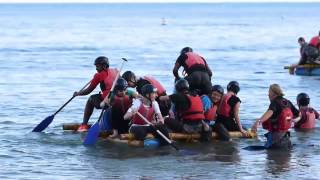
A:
[189,114]
[277,119]
[148,107]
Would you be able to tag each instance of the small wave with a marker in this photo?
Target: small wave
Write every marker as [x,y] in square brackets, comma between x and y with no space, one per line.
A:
[259,72]
[49,49]
[7,122]
[6,156]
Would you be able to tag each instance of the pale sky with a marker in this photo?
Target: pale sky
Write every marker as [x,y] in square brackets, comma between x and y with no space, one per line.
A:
[151,1]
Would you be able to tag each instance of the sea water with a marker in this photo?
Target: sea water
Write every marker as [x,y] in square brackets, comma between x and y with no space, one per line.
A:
[47,52]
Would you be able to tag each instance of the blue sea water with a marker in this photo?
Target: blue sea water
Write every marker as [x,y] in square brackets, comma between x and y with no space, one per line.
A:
[47,53]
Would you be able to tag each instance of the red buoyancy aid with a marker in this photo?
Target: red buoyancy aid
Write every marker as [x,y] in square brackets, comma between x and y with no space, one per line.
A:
[283,121]
[146,112]
[108,81]
[210,114]
[122,103]
[156,84]
[225,108]
[195,111]
[193,59]
[315,41]
[308,118]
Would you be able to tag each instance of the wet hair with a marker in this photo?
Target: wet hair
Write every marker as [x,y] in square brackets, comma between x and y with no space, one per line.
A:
[186,50]
[303,99]
[182,85]
[300,39]
[233,86]
[129,76]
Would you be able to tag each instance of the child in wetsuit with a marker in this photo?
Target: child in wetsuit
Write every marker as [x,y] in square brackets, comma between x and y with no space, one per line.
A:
[308,115]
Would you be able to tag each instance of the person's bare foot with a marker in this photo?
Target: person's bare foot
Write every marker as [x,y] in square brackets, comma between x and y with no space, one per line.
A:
[114,135]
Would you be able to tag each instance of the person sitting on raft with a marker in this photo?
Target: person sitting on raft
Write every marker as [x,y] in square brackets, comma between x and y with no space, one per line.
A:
[308,115]
[120,101]
[138,83]
[228,113]
[277,119]
[189,114]
[105,77]
[147,107]
[211,103]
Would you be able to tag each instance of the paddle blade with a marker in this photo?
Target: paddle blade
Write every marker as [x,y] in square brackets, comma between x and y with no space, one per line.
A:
[44,124]
[92,135]
[255,148]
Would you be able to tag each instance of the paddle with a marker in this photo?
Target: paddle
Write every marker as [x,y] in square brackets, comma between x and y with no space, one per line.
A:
[255,148]
[159,132]
[46,122]
[93,133]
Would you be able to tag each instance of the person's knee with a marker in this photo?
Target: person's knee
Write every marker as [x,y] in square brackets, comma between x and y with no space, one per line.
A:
[139,133]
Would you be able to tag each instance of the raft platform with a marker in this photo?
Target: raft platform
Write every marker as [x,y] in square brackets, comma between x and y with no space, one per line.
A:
[150,141]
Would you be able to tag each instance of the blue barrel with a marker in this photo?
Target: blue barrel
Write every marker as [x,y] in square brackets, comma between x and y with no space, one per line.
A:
[151,143]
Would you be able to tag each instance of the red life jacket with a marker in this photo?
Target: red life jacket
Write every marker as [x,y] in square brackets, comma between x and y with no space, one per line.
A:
[283,121]
[195,111]
[225,108]
[146,112]
[108,81]
[156,84]
[315,41]
[122,103]
[308,119]
[193,59]
[211,113]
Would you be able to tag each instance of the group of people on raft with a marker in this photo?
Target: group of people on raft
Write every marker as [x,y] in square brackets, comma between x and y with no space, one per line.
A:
[196,106]
[309,52]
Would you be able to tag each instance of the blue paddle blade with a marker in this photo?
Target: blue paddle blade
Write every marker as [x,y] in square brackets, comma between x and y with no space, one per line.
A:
[105,122]
[255,148]
[44,124]
[92,135]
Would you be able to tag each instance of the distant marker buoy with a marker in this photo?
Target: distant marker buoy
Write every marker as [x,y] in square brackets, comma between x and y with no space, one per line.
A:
[163,22]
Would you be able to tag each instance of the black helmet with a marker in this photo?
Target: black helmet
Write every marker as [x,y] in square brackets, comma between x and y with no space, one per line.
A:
[217,88]
[233,86]
[129,76]
[102,60]
[185,50]
[147,89]
[121,84]
[303,99]
[182,85]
